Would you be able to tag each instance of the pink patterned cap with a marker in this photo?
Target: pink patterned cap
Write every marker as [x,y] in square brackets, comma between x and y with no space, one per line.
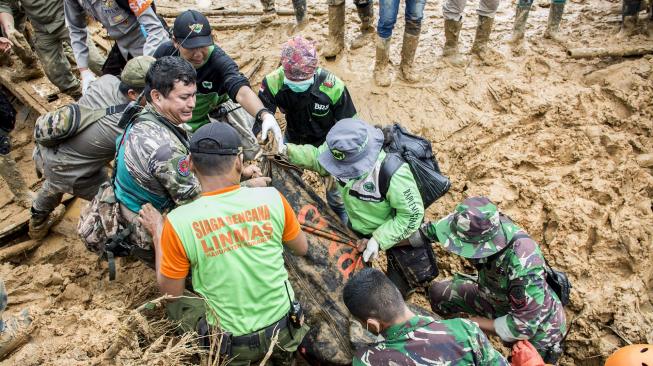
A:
[299,59]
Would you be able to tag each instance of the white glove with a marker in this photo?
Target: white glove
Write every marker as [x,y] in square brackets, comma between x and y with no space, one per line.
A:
[371,250]
[87,77]
[270,124]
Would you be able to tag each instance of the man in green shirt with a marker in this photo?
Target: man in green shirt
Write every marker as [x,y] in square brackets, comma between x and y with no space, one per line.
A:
[232,239]
[353,154]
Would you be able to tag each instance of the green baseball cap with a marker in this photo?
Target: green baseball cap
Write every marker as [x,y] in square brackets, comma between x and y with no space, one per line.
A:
[134,72]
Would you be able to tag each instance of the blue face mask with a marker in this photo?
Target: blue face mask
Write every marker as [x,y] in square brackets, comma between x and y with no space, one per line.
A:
[298,86]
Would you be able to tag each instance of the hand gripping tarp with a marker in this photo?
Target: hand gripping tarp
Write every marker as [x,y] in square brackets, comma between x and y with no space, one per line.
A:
[319,277]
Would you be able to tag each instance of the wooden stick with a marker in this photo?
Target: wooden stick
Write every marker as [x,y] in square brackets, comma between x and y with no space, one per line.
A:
[612,51]
[19,248]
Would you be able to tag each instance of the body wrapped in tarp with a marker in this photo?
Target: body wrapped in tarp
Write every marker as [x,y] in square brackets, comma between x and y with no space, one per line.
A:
[319,277]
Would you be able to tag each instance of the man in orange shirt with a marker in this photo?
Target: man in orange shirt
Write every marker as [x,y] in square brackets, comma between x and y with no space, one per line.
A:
[231,239]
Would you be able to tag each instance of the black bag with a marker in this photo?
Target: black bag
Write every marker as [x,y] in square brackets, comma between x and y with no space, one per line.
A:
[402,146]
[416,265]
[557,280]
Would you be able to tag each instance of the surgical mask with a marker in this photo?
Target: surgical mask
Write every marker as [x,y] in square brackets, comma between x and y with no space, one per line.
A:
[298,86]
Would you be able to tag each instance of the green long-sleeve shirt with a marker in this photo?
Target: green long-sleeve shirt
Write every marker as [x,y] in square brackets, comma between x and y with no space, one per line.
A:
[390,219]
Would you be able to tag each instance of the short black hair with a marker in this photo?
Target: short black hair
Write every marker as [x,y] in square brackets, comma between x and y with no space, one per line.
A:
[371,294]
[212,164]
[124,89]
[165,72]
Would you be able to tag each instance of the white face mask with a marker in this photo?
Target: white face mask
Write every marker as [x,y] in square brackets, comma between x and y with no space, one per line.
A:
[298,86]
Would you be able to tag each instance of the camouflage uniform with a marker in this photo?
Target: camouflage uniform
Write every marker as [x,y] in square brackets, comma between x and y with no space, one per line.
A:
[511,287]
[424,341]
[152,167]
[51,33]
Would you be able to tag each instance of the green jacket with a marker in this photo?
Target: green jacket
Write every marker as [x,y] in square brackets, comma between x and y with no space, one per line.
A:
[389,220]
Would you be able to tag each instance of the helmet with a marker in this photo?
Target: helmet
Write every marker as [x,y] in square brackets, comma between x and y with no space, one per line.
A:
[633,355]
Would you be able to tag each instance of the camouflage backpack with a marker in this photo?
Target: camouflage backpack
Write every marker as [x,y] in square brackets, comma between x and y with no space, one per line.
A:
[54,127]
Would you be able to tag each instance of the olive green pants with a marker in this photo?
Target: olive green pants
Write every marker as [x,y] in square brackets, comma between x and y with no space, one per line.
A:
[189,311]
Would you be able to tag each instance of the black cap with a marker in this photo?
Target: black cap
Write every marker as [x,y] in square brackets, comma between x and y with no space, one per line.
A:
[216,138]
[192,30]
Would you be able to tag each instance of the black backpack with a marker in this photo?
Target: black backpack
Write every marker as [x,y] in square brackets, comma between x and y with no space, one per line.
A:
[403,147]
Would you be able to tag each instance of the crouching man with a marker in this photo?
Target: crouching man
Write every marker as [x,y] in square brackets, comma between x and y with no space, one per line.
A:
[411,339]
[231,240]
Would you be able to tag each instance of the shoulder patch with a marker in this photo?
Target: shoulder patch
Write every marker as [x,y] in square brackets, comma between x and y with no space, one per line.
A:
[330,80]
[183,167]
[138,7]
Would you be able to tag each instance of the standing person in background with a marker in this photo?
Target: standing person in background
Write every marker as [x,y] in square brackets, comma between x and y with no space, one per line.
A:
[336,37]
[136,31]
[556,10]
[388,10]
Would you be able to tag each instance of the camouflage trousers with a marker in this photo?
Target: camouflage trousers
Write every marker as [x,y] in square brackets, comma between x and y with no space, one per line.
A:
[462,295]
[190,310]
[50,49]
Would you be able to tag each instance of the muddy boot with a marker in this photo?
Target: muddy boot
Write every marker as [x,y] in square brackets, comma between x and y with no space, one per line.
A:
[15,181]
[382,63]
[628,26]
[336,40]
[22,49]
[269,12]
[366,14]
[5,59]
[75,92]
[553,26]
[28,73]
[300,14]
[519,27]
[480,48]
[450,50]
[41,221]
[408,49]
[14,332]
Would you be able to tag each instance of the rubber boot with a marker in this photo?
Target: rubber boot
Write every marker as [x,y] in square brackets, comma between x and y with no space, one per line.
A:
[336,41]
[75,92]
[553,26]
[366,14]
[15,181]
[41,222]
[269,12]
[450,50]
[408,49]
[382,62]
[483,31]
[14,333]
[300,15]
[628,26]
[519,27]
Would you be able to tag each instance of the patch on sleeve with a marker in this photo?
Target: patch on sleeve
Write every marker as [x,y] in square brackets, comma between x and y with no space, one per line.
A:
[183,167]
[518,296]
[139,6]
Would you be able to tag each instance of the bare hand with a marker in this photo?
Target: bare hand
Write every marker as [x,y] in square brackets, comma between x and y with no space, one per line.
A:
[252,171]
[150,218]
[5,44]
[257,182]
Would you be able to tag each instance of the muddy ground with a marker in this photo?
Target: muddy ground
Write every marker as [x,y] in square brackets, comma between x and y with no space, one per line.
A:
[564,146]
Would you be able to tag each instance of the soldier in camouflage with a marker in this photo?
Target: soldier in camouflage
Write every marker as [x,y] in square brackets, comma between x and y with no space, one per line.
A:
[152,163]
[510,297]
[411,339]
[47,19]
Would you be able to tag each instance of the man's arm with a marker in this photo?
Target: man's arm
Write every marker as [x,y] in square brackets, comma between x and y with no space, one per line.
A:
[76,22]
[265,95]
[293,237]
[155,33]
[305,156]
[299,245]
[404,197]
[169,165]
[163,236]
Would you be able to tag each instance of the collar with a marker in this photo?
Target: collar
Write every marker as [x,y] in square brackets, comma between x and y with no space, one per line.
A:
[398,331]
[221,191]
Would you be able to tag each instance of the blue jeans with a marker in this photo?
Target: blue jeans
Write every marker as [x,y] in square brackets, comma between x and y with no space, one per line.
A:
[388,10]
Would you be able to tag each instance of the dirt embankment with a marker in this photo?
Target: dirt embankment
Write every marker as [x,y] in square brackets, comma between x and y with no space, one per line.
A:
[563,146]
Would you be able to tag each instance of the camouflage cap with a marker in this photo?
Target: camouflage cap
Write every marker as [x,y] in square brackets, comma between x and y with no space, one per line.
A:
[134,72]
[474,230]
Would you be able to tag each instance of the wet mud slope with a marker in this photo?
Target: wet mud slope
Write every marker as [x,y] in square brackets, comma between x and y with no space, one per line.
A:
[563,145]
